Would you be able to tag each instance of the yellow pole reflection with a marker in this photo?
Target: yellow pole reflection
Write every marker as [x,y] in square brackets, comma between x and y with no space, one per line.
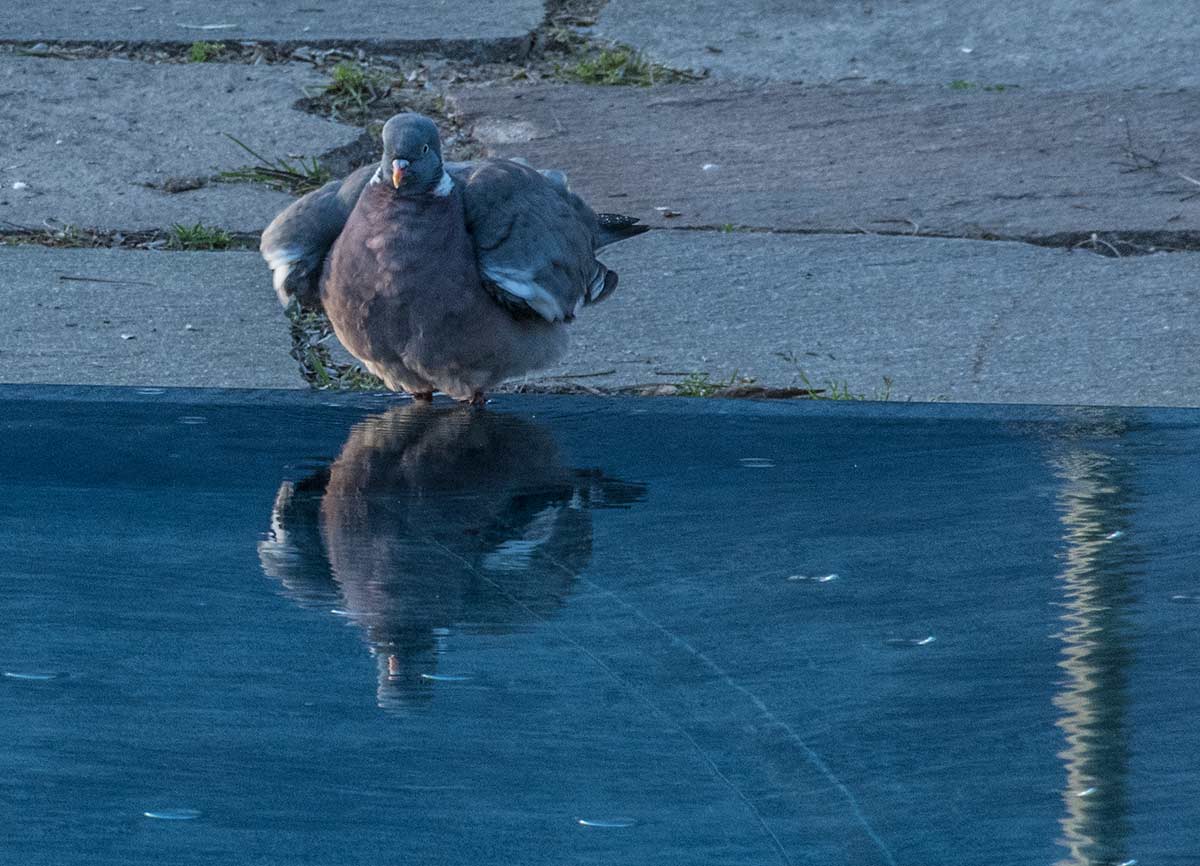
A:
[1094,502]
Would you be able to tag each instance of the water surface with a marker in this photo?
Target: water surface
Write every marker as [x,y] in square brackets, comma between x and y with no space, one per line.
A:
[278,628]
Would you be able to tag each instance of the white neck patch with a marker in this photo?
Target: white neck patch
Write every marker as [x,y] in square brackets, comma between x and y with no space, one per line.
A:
[377,177]
[444,185]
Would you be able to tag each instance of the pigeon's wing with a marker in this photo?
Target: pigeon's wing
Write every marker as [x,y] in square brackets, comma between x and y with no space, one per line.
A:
[296,241]
[535,240]
[292,551]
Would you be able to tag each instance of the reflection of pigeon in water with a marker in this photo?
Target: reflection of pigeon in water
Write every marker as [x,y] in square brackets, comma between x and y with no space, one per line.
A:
[436,517]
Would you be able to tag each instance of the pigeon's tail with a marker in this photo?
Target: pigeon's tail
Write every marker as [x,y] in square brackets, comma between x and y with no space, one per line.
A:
[614,227]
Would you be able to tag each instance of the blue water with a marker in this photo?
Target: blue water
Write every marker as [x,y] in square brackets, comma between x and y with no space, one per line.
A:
[255,628]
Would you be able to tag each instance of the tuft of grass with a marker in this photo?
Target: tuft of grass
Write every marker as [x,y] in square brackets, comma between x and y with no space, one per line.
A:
[298,176]
[834,390]
[960,84]
[700,385]
[202,52]
[348,78]
[310,331]
[841,390]
[617,66]
[352,88]
[198,237]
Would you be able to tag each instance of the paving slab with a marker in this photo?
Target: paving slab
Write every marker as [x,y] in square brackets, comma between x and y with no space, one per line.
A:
[1052,44]
[488,28]
[1016,163]
[942,319]
[91,139]
[132,317]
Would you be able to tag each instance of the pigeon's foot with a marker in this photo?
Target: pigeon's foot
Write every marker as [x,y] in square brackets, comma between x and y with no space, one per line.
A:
[422,396]
[477,399]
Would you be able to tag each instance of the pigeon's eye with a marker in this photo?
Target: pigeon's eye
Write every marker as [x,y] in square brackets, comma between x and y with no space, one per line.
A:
[424,149]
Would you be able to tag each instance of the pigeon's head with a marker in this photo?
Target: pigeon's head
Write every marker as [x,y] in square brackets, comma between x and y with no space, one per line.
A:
[412,154]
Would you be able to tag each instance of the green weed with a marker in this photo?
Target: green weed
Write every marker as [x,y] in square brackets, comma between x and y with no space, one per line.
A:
[202,52]
[298,176]
[198,237]
[617,66]
[700,385]
[352,88]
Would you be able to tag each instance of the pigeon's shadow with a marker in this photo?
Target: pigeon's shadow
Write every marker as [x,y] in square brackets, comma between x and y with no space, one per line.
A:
[436,519]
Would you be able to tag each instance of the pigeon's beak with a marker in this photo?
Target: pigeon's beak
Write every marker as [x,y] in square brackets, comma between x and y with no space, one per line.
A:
[398,166]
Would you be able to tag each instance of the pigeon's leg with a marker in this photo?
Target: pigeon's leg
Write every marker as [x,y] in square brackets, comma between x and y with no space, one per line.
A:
[477,399]
[422,396]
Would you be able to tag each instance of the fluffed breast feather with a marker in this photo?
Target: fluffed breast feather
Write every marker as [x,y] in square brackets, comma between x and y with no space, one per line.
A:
[535,240]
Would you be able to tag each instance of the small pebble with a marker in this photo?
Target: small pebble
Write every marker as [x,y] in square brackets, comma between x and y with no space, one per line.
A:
[20,184]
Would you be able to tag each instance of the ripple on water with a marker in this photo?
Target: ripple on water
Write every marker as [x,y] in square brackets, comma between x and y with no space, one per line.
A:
[1185,599]
[192,419]
[38,676]
[756,463]
[446,678]
[151,392]
[173,814]
[906,642]
[813,578]
[607,823]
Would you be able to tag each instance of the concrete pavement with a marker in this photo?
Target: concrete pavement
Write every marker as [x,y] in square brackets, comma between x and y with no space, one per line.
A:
[912,160]
[136,317]
[1052,45]
[488,29]
[824,203]
[914,318]
[96,141]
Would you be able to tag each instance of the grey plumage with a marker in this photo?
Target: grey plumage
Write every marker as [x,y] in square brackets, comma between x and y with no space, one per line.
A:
[297,240]
[454,284]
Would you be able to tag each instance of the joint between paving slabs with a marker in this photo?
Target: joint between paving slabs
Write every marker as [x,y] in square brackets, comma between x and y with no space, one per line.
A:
[1111,244]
